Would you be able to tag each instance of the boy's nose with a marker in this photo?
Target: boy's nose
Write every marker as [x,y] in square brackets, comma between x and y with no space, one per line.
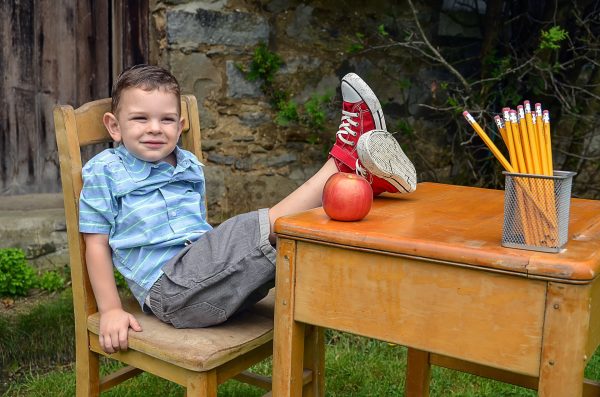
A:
[154,126]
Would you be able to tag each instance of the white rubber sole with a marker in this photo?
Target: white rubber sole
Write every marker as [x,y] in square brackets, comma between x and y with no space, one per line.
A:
[366,93]
[381,154]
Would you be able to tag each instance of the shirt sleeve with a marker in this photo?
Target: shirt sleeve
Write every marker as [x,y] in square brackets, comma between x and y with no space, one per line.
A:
[96,205]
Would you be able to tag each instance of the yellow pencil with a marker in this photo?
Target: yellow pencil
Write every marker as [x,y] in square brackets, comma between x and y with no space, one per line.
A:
[533,139]
[542,139]
[510,136]
[488,142]
[517,141]
[546,120]
[525,140]
[501,129]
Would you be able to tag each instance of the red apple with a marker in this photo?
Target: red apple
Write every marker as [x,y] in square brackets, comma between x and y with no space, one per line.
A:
[347,197]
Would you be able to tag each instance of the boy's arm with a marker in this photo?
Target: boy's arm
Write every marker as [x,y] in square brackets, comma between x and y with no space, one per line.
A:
[114,321]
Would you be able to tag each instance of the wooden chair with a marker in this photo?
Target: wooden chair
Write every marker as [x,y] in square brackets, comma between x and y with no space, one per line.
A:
[198,359]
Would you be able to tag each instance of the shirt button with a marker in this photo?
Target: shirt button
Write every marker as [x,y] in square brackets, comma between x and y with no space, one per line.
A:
[173,213]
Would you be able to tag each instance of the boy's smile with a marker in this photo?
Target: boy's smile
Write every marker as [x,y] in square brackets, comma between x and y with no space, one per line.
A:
[147,123]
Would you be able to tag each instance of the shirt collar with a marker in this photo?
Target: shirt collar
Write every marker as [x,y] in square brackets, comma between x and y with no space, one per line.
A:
[139,170]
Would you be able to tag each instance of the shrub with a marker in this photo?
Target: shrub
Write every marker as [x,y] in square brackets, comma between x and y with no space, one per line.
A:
[16,275]
[51,281]
[120,280]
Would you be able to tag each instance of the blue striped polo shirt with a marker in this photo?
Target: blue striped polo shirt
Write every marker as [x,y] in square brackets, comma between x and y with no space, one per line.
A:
[149,210]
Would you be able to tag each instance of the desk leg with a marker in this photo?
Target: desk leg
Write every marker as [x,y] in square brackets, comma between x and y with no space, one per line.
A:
[564,341]
[314,360]
[418,373]
[288,342]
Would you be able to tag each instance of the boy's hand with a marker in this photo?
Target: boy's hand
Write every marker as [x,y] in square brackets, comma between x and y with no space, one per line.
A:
[114,326]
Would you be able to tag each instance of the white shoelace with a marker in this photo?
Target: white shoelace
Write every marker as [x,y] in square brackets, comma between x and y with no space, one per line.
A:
[344,129]
[360,170]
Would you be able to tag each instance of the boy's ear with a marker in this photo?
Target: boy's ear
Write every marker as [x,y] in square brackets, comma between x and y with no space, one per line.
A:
[112,125]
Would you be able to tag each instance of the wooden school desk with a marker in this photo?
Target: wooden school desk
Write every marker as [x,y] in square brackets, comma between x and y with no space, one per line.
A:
[427,271]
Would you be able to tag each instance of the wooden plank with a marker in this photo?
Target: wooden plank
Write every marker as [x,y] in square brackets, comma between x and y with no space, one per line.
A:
[590,388]
[130,32]
[202,384]
[231,368]
[314,361]
[146,363]
[565,338]
[418,373]
[40,71]
[593,339]
[289,336]
[527,381]
[484,317]
[117,38]
[135,28]
[262,381]
[119,376]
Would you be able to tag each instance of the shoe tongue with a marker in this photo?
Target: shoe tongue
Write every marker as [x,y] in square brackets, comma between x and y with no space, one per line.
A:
[349,94]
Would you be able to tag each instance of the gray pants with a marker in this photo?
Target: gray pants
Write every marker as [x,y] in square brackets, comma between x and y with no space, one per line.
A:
[226,270]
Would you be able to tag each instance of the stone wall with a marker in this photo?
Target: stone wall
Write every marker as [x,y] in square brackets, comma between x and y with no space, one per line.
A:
[251,160]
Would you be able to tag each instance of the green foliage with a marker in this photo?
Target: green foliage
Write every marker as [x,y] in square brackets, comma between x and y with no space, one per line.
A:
[381,30]
[288,112]
[355,47]
[120,280]
[404,84]
[16,275]
[552,37]
[358,43]
[311,114]
[405,128]
[51,281]
[264,65]
[315,111]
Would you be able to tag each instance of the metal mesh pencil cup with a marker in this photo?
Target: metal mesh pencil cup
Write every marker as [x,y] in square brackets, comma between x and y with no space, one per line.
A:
[536,211]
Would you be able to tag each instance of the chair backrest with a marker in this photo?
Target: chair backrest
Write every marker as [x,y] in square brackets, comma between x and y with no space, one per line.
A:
[76,128]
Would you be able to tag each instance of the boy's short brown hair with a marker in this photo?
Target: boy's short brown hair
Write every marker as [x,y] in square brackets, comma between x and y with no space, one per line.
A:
[147,78]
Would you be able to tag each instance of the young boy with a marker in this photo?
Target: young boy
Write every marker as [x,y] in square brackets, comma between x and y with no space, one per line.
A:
[142,208]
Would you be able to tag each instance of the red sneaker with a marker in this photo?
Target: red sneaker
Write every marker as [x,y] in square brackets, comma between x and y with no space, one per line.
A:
[383,163]
[361,112]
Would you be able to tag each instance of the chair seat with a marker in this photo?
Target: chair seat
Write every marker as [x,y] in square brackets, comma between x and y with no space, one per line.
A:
[199,349]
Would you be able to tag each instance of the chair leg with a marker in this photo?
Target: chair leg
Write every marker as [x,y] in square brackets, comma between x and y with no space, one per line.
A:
[87,371]
[314,360]
[418,373]
[204,384]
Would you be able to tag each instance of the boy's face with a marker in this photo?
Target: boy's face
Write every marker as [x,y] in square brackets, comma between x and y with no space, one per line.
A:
[147,123]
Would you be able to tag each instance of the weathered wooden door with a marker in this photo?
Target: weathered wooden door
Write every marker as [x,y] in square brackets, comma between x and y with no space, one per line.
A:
[57,51]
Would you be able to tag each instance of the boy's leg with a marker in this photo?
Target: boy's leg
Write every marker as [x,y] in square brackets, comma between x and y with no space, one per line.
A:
[305,197]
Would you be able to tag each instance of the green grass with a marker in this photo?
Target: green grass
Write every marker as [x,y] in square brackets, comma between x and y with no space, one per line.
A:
[41,342]
[40,337]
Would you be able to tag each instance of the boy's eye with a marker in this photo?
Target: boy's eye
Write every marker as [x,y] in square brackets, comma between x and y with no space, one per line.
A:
[169,120]
[139,118]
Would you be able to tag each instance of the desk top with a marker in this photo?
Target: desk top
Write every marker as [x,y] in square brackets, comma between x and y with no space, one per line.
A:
[456,224]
